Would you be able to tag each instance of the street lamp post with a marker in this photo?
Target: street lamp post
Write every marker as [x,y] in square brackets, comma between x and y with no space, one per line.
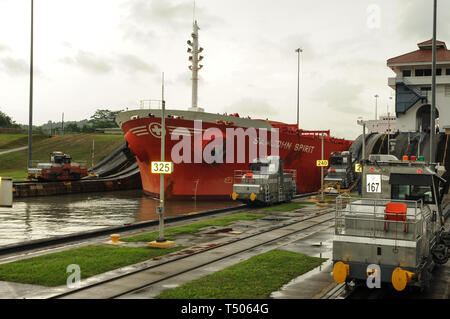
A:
[433,86]
[376,105]
[299,50]
[161,237]
[389,128]
[30,112]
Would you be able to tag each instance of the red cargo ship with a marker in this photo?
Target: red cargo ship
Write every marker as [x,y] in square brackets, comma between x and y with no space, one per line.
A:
[300,149]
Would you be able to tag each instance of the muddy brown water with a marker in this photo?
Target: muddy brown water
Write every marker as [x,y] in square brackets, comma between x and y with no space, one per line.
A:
[42,217]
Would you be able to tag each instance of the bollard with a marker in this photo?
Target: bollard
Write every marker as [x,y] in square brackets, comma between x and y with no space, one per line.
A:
[114,240]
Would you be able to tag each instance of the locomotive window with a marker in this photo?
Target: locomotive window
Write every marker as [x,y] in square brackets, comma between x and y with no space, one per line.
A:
[336,160]
[412,192]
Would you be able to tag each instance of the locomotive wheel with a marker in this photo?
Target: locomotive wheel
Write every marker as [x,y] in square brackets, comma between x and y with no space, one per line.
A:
[440,254]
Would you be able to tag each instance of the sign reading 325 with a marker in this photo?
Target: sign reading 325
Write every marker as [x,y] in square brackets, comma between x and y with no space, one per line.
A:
[162,167]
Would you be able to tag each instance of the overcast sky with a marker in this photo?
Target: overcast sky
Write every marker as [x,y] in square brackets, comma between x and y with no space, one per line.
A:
[92,54]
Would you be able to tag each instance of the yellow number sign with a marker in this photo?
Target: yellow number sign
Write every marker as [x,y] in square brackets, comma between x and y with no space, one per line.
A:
[162,167]
[322,163]
[358,168]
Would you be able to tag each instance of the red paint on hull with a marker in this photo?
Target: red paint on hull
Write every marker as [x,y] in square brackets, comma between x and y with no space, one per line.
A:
[299,149]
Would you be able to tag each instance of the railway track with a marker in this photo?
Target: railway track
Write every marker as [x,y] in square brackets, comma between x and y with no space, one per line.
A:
[131,282]
[337,292]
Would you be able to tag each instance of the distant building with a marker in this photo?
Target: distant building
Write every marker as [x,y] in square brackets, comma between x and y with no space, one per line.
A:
[385,124]
[412,86]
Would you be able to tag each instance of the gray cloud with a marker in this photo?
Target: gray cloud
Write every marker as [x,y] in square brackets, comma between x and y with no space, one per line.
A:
[89,62]
[253,107]
[414,21]
[14,67]
[341,96]
[97,64]
[145,16]
[131,63]
[183,79]
[4,48]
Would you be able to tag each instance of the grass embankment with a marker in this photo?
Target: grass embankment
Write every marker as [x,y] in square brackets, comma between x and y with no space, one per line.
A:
[10,141]
[50,270]
[193,228]
[288,206]
[76,145]
[255,278]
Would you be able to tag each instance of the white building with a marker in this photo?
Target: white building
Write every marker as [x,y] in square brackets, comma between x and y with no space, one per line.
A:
[386,123]
[412,86]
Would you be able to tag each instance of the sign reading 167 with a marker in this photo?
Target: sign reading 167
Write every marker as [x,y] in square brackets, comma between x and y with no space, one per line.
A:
[162,167]
[373,183]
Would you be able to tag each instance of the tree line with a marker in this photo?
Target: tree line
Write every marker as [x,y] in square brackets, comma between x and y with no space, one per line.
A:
[102,118]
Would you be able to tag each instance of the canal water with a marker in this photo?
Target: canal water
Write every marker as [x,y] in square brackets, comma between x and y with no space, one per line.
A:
[41,217]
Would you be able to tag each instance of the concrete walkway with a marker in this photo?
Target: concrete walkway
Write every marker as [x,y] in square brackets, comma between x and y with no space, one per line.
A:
[14,150]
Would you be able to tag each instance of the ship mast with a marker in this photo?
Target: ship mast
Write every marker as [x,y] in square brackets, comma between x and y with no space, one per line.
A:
[195,58]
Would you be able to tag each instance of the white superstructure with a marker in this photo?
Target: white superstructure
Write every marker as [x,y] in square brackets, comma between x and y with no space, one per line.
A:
[412,85]
[195,58]
[386,124]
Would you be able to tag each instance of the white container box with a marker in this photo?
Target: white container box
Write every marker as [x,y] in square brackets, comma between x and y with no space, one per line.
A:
[6,194]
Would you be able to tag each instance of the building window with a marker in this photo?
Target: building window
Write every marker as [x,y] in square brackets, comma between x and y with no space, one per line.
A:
[426,72]
[447,72]
[438,71]
[406,73]
[425,90]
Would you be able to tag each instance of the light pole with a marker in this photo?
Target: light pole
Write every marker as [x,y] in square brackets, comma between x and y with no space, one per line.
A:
[30,112]
[299,50]
[161,237]
[389,128]
[433,86]
[376,105]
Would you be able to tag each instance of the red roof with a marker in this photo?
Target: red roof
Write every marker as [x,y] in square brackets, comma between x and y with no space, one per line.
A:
[429,43]
[424,54]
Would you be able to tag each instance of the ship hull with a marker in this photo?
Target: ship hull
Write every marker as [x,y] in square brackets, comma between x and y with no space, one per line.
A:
[298,149]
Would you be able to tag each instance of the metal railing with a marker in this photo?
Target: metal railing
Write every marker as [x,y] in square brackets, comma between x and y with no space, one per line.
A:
[367,217]
[240,175]
[34,163]
[150,104]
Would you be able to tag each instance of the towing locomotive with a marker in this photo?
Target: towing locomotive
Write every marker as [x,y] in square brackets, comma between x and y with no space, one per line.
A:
[60,168]
[266,183]
[341,170]
[395,233]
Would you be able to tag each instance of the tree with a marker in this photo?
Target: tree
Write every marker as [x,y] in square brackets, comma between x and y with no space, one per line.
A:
[7,122]
[87,129]
[104,118]
[72,127]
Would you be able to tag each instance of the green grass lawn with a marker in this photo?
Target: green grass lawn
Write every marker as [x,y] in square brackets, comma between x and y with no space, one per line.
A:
[286,207]
[9,141]
[193,228]
[76,145]
[50,270]
[255,278]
